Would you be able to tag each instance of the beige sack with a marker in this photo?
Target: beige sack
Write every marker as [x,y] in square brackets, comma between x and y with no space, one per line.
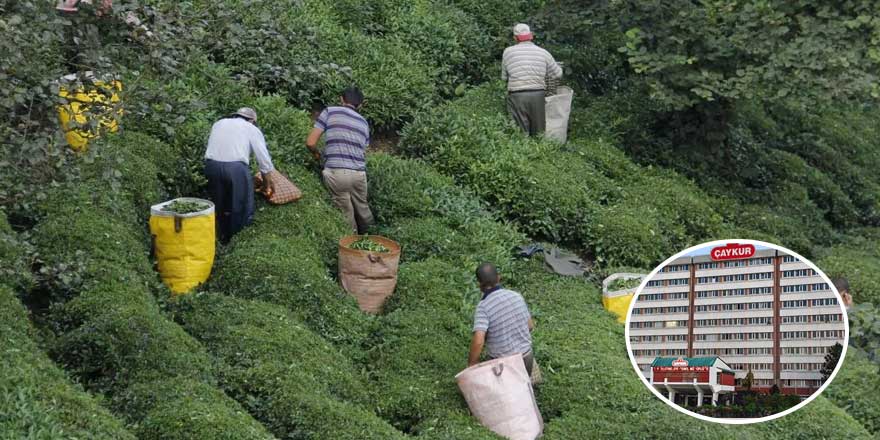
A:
[369,276]
[499,394]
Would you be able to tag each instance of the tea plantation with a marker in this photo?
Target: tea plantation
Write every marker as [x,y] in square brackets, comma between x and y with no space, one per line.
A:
[95,347]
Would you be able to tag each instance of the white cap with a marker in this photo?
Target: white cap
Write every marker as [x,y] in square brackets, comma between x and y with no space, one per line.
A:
[522,32]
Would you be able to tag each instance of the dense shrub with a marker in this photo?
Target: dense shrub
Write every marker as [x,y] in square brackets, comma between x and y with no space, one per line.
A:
[38,400]
[857,258]
[422,343]
[290,378]
[586,194]
[853,389]
[181,408]
[110,331]
[15,270]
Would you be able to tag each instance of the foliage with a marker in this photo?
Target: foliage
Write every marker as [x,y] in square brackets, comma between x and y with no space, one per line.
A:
[39,401]
[832,358]
[586,194]
[365,243]
[853,389]
[719,51]
[290,378]
[856,258]
[864,331]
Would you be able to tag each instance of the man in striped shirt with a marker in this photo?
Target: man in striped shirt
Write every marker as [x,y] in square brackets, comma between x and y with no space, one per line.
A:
[526,67]
[502,321]
[347,135]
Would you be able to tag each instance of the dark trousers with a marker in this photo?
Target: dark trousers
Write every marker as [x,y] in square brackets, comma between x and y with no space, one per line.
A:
[527,109]
[231,188]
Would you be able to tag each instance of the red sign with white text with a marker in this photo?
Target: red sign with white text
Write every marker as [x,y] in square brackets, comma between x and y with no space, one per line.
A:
[680,362]
[732,251]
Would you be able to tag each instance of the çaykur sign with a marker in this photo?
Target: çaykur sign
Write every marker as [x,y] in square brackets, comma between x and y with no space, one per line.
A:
[680,362]
[732,251]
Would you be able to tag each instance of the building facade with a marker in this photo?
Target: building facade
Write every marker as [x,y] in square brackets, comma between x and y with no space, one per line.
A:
[767,313]
[694,381]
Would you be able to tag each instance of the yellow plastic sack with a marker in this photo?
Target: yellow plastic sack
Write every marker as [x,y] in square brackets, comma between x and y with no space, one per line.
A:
[184,245]
[618,301]
[94,101]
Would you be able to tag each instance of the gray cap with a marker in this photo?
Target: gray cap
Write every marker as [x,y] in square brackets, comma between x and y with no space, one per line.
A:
[247,112]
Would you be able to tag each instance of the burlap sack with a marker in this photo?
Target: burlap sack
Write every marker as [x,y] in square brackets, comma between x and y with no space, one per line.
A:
[499,394]
[285,190]
[369,276]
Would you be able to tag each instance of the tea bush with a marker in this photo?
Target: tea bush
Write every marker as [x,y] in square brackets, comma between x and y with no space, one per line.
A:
[111,334]
[290,378]
[39,401]
[585,194]
[857,259]
[15,270]
[852,389]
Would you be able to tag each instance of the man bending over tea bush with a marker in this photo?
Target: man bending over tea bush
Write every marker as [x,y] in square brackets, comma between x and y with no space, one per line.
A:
[502,321]
[230,185]
[526,67]
[345,167]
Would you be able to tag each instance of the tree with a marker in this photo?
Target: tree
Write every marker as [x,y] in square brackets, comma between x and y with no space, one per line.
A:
[748,380]
[715,51]
[832,357]
[774,390]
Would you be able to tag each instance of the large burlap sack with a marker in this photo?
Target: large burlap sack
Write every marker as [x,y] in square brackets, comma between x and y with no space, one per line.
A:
[184,245]
[499,394]
[618,301]
[285,190]
[557,108]
[370,276]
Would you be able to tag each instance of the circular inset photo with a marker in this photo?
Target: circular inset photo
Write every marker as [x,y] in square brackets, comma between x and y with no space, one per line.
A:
[737,331]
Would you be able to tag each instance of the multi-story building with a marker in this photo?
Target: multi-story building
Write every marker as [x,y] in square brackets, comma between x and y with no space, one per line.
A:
[768,313]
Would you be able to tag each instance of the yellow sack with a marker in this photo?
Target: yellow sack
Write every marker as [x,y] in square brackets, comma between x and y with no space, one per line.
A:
[617,301]
[184,244]
[98,101]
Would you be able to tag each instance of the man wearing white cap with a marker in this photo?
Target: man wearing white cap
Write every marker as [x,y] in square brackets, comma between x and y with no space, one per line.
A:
[526,67]
[230,184]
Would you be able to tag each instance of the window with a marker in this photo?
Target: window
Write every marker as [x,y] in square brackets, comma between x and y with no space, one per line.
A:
[763,320]
[798,273]
[760,276]
[735,263]
[796,335]
[675,338]
[676,268]
[827,334]
[761,290]
[820,286]
[734,278]
[826,318]
[711,265]
[679,295]
[761,305]
[729,307]
[794,304]
[679,282]
[794,288]
[789,259]
[708,308]
[759,351]
[733,292]
[794,319]
[707,280]
[760,261]
[651,297]
[823,302]
[707,294]
[654,283]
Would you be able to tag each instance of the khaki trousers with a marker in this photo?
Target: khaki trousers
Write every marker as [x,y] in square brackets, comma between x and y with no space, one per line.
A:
[348,190]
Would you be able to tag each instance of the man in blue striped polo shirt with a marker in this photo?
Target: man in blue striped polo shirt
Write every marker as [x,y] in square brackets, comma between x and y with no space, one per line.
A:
[502,321]
[347,135]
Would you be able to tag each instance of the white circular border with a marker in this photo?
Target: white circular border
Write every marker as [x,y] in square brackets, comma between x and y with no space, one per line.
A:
[737,421]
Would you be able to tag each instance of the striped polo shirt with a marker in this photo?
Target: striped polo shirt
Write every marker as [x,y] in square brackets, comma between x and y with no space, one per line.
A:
[347,135]
[525,66]
[504,316]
